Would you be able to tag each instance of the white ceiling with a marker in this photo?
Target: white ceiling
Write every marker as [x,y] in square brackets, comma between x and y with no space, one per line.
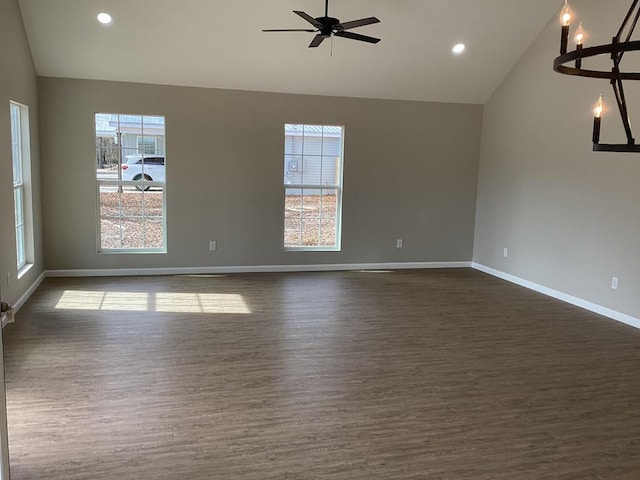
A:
[215,43]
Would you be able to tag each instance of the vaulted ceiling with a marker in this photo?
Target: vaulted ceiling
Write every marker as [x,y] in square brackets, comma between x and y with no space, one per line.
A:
[215,43]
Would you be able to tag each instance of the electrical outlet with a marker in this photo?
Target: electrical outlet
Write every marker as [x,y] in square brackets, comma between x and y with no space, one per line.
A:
[399,243]
[213,245]
[505,252]
[614,283]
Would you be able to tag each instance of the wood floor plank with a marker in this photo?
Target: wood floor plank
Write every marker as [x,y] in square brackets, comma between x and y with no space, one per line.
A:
[440,374]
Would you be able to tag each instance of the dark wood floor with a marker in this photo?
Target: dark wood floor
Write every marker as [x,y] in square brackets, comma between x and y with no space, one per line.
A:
[444,374]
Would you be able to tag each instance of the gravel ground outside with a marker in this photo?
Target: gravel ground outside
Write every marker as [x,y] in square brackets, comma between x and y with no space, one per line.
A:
[133,219]
[310,221]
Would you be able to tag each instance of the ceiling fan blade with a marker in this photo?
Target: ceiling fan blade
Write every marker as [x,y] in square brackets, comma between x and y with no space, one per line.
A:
[318,39]
[357,23]
[356,36]
[309,19]
[289,30]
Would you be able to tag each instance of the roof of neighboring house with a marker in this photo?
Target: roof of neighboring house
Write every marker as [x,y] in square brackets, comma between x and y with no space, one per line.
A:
[312,130]
[108,123]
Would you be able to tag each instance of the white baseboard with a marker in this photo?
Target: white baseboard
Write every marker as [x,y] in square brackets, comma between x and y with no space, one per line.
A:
[25,296]
[123,272]
[578,302]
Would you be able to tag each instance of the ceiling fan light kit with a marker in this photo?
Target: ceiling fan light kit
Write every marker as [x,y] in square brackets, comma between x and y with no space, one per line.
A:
[327,27]
[620,44]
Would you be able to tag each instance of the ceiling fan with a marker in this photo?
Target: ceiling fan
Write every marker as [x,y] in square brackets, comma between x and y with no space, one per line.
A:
[326,27]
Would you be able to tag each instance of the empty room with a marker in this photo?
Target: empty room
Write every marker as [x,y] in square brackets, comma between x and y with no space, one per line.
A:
[319,239]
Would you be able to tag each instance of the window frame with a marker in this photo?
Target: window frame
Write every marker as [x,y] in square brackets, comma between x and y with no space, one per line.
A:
[22,188]
[338,188]
[119,183]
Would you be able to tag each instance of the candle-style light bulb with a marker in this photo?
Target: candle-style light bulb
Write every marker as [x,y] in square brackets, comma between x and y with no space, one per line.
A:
[579,38]
[597,120]
[599,108]
[565,15]
[565,19]
[579,35]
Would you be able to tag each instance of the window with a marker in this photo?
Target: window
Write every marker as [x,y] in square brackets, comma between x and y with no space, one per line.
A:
[147,145]
[131,181]
[21,157]
[312,187]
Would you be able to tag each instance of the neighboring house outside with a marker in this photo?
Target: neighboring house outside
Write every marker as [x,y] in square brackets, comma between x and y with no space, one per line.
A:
[131,135]
[316,160]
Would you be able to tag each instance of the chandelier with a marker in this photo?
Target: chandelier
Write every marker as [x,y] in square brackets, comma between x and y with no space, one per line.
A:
[570,63]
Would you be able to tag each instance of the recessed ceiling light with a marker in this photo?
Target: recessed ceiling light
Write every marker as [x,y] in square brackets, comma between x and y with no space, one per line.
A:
[104,18]
[459,48]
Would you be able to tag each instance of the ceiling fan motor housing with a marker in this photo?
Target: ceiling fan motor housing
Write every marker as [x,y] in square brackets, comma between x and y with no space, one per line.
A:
[329,25]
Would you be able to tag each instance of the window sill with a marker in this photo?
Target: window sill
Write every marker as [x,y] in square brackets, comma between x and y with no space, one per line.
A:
[312,249]
[24,270]
[132,252]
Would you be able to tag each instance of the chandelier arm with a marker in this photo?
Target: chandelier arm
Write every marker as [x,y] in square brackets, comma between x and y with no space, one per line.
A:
[621,99]
[618,89]
[631,30]
[626,19]
[612,49]
[619,148]
[633,26]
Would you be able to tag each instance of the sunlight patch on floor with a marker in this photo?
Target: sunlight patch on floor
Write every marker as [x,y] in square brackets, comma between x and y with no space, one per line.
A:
[164,302]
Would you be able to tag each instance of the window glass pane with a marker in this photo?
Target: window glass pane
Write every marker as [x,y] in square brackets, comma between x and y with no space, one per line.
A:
[292,169]
[330,172]
[293,218]
[154,232]
[293,143]
[147,145]
[16,144]
[17,164]
[15,124]
[312,144]
[20,244]
[107,148]
[18,203]
[311,170]
[106,157]
[151,121]
[328,217]
[311,232]
[110,217]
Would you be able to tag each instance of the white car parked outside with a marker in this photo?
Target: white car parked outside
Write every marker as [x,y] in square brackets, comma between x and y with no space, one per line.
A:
[149,170]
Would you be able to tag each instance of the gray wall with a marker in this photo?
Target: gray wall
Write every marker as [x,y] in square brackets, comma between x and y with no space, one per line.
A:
[18,83]
[410,172]
[569,216]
